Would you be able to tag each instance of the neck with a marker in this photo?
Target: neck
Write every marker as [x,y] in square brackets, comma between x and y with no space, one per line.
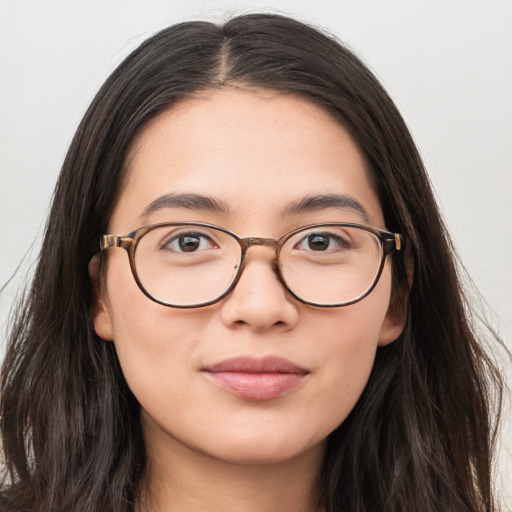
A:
[178,478]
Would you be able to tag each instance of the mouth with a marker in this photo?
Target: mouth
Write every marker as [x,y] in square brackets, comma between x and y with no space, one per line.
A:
[256,378]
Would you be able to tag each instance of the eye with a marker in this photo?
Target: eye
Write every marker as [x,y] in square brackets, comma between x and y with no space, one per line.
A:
[189,242]
[318,242]
[321,242]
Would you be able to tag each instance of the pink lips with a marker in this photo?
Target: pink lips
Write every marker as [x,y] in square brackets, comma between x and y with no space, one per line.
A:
[256,379]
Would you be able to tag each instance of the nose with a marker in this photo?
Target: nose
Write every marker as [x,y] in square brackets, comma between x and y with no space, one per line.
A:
[259,301]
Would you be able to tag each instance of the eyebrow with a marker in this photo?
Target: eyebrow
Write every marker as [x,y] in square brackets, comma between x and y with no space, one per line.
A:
[199,202]
[322,202]
[196,202]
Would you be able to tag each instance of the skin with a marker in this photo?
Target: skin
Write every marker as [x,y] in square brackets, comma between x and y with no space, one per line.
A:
[208,449]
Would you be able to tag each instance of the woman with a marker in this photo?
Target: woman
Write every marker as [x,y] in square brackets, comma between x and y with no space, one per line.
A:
[246,298]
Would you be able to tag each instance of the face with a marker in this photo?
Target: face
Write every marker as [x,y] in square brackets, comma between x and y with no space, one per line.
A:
[193,371]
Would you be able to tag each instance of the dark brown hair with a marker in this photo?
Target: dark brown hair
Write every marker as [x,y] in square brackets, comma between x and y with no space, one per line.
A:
[421,435]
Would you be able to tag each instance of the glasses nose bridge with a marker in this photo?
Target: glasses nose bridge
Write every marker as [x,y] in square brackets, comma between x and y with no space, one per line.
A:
[271,243]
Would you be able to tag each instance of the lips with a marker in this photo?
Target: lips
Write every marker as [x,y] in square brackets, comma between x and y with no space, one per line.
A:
[256,378]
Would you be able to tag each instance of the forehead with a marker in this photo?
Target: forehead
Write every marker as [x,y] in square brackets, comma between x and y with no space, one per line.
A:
[254,150]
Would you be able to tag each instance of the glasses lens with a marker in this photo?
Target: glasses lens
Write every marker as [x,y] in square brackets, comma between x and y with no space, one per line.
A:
[330,265]
[186,265]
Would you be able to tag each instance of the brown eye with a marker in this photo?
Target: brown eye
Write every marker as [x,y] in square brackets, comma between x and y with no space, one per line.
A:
[324,241]
[189,242]
[318,242]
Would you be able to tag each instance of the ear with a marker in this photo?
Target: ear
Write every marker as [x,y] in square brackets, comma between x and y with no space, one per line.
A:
[100,313]
[394,321]
[393,324]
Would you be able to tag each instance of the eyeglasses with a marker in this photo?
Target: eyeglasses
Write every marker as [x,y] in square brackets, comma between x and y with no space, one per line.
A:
[193,264]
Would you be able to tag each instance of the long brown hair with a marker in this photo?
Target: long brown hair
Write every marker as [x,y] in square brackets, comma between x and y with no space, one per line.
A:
[421,435]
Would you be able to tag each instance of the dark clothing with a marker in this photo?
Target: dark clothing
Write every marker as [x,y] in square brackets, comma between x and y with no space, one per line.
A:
[6,505]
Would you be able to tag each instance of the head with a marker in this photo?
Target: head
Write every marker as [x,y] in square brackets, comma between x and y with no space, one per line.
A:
[179,84]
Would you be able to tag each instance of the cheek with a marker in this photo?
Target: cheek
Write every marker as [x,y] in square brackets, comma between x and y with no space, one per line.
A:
[153,343]
[343,376]
[348,343]
[157,351]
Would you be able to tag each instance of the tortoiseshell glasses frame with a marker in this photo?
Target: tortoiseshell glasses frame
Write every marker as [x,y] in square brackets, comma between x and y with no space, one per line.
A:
[388,244]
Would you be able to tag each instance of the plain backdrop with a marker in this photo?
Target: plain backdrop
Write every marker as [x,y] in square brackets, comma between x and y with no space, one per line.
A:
[447,64]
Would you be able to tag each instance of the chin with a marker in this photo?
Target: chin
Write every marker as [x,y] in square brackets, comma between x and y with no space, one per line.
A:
[264,450]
